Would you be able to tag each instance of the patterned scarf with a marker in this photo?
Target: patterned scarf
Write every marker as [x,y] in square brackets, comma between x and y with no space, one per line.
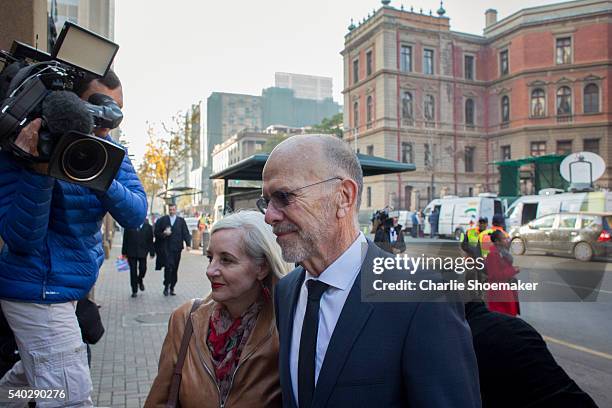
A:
[226,340]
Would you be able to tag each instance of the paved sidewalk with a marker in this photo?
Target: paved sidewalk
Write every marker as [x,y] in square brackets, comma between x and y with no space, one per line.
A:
[124,362]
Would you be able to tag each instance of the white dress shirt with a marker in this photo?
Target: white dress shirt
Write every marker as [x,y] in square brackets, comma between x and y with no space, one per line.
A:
[172,219]
[340,277]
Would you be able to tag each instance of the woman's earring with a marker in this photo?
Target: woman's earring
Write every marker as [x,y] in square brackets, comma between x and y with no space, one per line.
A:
[266,292]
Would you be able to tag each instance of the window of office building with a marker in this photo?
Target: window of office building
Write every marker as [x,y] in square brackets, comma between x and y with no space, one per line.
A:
[503,63]
[564,101]
[591,98]
[370,150]
[506,152]
[369,108]
[369,63]
[538,149]
[356,70]
[564,146]
[564,50]
[356,115]
[406,58]
[428,62]
[538,103]
[591,145]
[505,109]
[407,155]
[468,63]
[469,159]
[469,112]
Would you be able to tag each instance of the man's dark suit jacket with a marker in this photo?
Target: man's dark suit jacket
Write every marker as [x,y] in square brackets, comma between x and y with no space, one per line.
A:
[412,354]
[516,368]
[137,243]
[174,242]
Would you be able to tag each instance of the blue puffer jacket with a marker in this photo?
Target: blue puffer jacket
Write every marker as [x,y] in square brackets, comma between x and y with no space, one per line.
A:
[51,229]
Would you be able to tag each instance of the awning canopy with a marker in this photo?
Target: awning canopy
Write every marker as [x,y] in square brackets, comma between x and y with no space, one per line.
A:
[545,159]
[251,168]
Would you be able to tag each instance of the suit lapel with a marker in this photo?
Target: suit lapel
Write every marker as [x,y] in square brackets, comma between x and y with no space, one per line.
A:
[286,331]
[352,319]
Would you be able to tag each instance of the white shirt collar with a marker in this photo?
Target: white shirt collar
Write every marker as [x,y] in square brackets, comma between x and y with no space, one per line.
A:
[341,273]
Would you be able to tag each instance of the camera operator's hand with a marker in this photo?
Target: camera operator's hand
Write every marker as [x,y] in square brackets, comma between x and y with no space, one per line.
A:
[27,140]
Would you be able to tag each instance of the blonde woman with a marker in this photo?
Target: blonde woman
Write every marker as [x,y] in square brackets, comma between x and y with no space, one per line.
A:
[231,359]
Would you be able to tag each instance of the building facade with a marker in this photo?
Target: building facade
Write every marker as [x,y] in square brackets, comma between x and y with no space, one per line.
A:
[305,86]
[452,103]
[95,15]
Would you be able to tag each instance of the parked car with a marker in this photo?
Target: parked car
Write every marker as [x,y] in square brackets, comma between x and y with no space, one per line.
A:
[584,235]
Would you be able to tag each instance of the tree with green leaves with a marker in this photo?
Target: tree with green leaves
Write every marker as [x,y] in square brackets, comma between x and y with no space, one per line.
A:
[331,126]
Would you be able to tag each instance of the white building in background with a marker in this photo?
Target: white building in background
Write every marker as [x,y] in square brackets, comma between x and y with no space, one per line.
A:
[95,15]
[305,86]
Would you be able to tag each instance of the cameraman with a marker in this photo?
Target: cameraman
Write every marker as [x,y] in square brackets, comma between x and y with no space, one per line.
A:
[51,258]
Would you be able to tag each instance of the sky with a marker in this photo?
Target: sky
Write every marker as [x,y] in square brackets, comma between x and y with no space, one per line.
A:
[175,53]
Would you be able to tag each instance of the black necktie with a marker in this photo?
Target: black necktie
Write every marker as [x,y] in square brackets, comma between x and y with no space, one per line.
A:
[308,343]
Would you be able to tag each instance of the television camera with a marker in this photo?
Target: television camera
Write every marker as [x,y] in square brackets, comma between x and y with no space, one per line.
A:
[35,84]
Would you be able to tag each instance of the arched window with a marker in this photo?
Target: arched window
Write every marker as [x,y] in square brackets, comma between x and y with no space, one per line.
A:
[469,112]
[369,108]
[564,101]
[538,103]
[505,109]
[356,115]
[429,108]
[591,98]
[407,111]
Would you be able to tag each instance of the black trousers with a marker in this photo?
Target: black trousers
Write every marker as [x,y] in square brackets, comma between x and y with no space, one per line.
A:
[171,268]
[138,269]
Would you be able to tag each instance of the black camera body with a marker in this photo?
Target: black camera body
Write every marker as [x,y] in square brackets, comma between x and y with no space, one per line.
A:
[34,84]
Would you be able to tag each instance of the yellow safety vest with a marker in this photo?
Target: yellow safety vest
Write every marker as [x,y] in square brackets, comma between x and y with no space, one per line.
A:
[485,239]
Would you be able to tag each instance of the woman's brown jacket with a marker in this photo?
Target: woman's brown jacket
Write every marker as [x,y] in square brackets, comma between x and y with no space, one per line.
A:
[256,380]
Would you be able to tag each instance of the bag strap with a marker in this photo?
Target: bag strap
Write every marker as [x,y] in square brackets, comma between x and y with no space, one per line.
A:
[175,385]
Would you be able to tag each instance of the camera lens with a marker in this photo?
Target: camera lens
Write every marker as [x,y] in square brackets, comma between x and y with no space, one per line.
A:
[84,159]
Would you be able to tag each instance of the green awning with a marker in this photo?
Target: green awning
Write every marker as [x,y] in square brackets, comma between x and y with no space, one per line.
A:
[252,167]
[547,158]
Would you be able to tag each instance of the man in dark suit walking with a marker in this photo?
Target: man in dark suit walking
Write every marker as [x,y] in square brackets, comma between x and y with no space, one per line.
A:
[171,231]
[335,349]
[137,243]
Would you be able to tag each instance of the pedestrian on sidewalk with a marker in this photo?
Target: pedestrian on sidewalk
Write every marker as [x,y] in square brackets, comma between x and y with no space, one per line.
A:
[137,243]
[230,357]
[170,232]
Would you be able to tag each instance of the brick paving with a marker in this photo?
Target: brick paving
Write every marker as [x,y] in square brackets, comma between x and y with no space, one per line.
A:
[124,362]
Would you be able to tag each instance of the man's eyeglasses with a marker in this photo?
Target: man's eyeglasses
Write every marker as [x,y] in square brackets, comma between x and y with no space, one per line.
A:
[281,199]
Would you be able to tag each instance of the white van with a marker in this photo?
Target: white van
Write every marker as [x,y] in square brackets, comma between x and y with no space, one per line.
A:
[552,201]
[458,214]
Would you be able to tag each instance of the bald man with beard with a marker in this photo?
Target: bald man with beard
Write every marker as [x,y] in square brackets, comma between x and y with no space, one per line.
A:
[335,349]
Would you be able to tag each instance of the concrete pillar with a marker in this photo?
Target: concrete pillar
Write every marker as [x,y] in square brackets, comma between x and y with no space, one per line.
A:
[23,20]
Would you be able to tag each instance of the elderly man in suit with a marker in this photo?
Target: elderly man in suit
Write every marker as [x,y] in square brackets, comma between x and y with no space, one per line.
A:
[170,233]
[335,349]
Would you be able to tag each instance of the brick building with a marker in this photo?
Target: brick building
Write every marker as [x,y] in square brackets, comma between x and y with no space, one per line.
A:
[535,82]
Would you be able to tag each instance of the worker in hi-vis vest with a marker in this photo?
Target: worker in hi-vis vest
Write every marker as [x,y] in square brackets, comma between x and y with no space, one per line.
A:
[470,240]
[484,237]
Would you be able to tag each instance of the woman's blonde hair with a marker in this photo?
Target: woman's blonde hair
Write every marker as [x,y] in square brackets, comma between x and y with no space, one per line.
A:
[259,241]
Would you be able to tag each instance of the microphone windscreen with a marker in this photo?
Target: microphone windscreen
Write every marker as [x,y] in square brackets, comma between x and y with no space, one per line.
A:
[64,111]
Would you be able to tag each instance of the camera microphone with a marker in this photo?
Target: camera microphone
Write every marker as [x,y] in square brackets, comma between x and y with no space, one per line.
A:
[64,111]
